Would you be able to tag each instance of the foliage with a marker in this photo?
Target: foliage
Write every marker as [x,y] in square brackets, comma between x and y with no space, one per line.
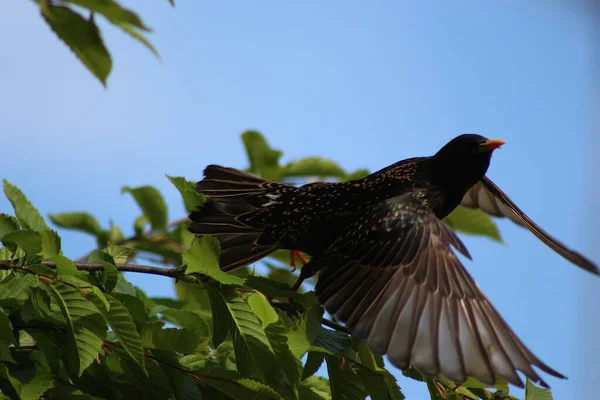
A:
[67,331]
[74,23]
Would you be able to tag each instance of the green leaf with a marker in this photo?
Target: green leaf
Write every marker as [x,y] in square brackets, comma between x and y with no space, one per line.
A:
[15,289]
[254,354]
[474,222]
[64,266]
[28,240]
[291,365]
[203,258]
[14,390]
[315,388]
[358,174]
[27,214]
[533,392]
[82,36]
[120,254]
[344,382]
[50,243]
[235,387]
[7,337]
[110,277]
[264,160]
[334,342]
[262,308]
[86,326]
[115,234]
[141,38]
[313,363]
[112,11]
[191,198]
[198,321]
[121,322]
[152,204]
[79,221]
[8,223]
[100,256]
[185,341]
[6,331]
[313,166]
[304,333]
[119,16]
[35,375]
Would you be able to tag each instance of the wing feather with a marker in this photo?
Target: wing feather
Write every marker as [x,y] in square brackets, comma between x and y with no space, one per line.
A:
[488,197]
[400,287]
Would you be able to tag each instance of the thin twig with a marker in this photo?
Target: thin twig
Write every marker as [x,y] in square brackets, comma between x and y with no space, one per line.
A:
[89,266]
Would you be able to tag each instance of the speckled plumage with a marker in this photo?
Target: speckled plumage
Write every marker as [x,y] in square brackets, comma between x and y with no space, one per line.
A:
[387,268]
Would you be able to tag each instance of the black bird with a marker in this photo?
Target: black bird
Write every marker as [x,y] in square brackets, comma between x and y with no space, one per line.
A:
[386,260]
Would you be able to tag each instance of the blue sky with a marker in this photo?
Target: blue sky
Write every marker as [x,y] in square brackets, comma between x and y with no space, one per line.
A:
[363,84]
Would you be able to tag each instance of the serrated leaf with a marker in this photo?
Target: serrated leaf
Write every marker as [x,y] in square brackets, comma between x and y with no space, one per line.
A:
[120,254]
[64,266]
[264,160]
[15,289]
[7,337]
[121,322]
[100,256]
[85,324]
[313,363]
[533,392]
[119,16]
[344,383]
[313,166]
[8,223]
[254,354]
[304,333]
[6,331]
[28,216]
[110,276]
[50,243]
[82,36]
[334,342]
[203,258]
[315,388]
[276,332]
[473,222]
[197,321]
[185,341]
[191,198]
[28,240]
[236,387]
[152,204]
[14,390]
[263,310]
[34,374]
[80,221]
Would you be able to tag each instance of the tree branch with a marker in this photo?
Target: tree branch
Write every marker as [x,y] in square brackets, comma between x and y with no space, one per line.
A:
[143,269]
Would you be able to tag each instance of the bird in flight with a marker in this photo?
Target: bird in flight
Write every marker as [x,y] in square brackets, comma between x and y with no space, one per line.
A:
[386,261]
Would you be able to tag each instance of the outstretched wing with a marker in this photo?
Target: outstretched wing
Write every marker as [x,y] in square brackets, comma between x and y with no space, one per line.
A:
[488,197]
[397,284]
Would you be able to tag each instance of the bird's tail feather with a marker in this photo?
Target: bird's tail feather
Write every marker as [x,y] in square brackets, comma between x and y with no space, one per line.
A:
[233,194]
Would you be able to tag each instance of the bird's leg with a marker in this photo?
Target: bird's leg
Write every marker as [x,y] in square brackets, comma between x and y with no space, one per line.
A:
[296,254]
[305,273]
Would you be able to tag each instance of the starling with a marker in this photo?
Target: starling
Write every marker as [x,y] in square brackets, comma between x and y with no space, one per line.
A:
[386,262]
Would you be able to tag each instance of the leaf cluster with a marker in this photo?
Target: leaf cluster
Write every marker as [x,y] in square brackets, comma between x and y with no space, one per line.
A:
[74,22]
[70,331]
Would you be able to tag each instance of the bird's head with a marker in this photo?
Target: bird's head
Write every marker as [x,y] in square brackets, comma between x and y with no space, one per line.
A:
[465,159]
